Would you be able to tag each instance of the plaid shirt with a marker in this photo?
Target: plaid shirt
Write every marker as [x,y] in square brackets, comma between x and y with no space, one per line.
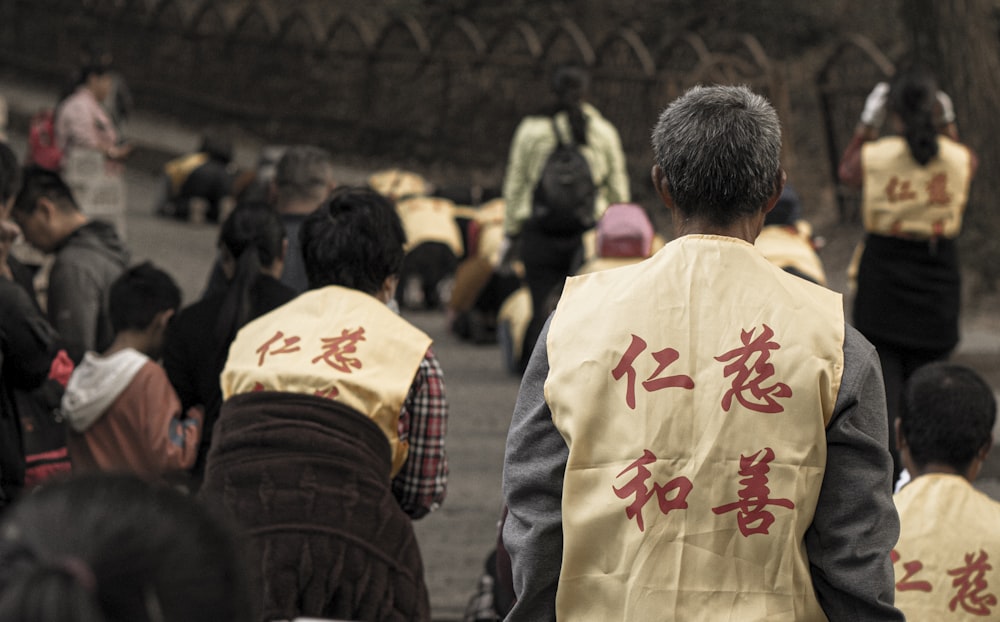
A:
[421,484]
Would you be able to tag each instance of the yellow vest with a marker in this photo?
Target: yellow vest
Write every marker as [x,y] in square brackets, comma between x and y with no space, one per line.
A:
[429,219]
[947,559]
[337,343]
[693,390]
[788,247]
[902,198]
[178,169]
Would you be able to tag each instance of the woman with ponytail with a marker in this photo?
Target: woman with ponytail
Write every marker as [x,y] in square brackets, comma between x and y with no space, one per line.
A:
[114,548]
[252,247]
[914,188]
[548,241]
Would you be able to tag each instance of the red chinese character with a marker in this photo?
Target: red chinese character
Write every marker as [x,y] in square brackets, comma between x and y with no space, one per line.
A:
[970,582]
[751,378]
[257,387]
[899,191]
[664,358]
[329,394]
[911,568]
[285,349]
[753,517]
[937,190]
[336,349]
[637,487]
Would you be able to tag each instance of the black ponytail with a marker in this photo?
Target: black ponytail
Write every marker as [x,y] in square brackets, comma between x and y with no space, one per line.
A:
[913,96]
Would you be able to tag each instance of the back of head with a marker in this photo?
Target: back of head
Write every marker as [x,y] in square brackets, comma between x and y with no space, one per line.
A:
[719,149]
[913,97]
[570,84]
[354,240]
[112,548]
[253,236]
[304,173]
[10,173]
[787,211]
[218,146]
[36,183]
[947,415]
[139,295]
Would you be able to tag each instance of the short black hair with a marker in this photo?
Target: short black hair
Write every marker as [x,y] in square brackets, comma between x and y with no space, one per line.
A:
[10,173]
[947,415]
[138,295]
[354,240]
[38,182]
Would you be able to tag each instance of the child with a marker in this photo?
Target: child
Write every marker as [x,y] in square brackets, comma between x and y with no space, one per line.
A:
[949,539]
[122,410]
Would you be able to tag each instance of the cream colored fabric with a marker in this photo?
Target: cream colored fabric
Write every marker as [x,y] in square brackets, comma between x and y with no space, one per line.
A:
[646,378]
[515,312]
[947,560]
[430,219]
[900,197]
[396,183]
[789,247]
[178,169]
[336,343]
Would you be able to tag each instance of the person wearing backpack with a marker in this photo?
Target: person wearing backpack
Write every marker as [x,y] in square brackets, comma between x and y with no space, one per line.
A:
[566,165]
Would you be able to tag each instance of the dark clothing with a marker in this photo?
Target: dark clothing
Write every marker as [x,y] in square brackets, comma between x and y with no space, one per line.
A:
[86,265]
[194,353]
[27,346]
[294,274]
[308,478]
[548,260]
[212,181]
[909,293]
[907,304]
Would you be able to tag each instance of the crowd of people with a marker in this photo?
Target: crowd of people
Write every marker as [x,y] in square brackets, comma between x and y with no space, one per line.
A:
[262,453]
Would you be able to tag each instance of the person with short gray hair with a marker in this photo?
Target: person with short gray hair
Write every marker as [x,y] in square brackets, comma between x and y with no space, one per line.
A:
[701,435]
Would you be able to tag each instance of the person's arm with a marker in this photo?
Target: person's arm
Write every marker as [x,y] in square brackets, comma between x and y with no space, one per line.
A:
[74,306]
[533,472]
[617,188]
[422,482]
[856,525]
[872,117]
[28,341]
[171,436]
[518,181]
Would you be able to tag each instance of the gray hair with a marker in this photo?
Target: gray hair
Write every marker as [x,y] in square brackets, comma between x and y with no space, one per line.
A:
[719,148]
[303,172]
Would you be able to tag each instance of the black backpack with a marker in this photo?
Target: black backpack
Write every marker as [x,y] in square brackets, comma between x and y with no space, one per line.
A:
[564,197]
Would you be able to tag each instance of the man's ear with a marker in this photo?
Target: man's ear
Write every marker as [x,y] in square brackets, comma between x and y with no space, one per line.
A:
[900,439]
[161,319]
[48,208]
[662,187]
[779,187]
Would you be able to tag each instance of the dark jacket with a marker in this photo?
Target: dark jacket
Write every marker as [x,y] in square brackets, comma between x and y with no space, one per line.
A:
[27,346]
[194,353]
[307,479]
[86,265]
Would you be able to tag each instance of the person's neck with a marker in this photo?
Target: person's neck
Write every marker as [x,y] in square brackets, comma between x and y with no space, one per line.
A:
[298,206]
[746,229]
[125,339]
[939,468]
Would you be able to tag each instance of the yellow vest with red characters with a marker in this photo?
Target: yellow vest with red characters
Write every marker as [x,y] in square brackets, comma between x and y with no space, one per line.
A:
[693,390]
[790,247]
[337,343]
[429,219]
[902,198]
[947,559]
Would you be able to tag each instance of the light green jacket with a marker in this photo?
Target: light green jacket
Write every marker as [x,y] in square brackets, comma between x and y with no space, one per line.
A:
[532,144]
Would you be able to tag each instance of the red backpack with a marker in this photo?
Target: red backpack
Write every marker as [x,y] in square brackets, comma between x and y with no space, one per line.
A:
[42,147]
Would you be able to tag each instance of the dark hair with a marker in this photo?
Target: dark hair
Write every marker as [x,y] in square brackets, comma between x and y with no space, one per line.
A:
[913,96]
[252,235]
[355,240]
[138,295]
[947,415]
[10,173]
[719,149]
[303,173]
[36,183]
[112,548]
[787,210]
[570,84]
[217,145]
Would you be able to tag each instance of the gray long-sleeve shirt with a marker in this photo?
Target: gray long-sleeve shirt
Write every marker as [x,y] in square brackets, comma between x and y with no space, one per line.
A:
[854,528]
